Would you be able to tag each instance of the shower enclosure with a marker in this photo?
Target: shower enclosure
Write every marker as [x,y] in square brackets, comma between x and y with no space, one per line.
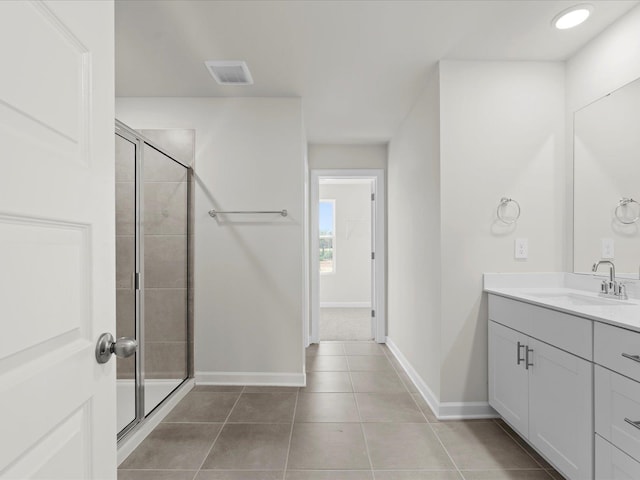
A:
[153,274]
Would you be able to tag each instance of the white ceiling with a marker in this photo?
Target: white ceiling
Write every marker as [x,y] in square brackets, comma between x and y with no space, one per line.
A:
[358,65]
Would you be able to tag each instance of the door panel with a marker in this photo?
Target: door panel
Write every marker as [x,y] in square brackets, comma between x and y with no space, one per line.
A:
[56,239]
[508,380]
[561,414]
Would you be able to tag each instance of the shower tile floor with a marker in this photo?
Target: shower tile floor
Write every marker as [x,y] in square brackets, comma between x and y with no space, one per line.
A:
[358,418]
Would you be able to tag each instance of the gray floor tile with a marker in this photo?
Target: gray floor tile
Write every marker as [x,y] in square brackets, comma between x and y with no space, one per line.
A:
[174,446]
[482,446]
[418,475]
[243,446]
[424,407]
[264,408]
[506,475]
[377,382]
[404,378]
[327,363]
[218,388]
[156,474]
[268,389]
[388,407]
[199,406]
[363,348]
[325,349]
[327,446]
[405,446]
[329,475]
[369,363]
[520,441]
[555,475]
[326,407]
[327,382]
[238,475]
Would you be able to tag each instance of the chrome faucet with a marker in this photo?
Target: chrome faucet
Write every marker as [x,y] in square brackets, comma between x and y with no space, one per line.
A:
[612,288]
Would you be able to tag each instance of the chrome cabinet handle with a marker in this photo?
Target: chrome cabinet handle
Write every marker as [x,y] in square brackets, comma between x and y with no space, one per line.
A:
[631,422]
[123,347]
[527,364]
[635,358]
[520,345]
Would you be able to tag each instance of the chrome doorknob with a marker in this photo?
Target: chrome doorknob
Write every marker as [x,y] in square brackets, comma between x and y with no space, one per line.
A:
[123,347]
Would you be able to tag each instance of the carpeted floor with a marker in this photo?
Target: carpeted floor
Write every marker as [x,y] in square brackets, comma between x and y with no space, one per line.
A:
[345,324]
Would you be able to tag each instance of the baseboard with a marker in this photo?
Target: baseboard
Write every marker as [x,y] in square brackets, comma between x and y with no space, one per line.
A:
[130,442]
[345,304]
[252,378]
[442,410]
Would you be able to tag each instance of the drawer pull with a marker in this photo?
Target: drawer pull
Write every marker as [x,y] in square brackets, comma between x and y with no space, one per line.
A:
[631,422]
[526,362]
[520,345]
[635,358]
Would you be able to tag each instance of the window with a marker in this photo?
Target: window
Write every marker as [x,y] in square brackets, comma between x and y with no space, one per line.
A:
[327,229]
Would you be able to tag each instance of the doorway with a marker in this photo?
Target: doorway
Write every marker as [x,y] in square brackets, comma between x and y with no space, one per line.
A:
[347,256]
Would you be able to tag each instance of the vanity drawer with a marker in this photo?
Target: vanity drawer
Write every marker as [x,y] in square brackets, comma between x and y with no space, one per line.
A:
[567,332]
[617,399]
[613,464]
[511,313]
[611,344]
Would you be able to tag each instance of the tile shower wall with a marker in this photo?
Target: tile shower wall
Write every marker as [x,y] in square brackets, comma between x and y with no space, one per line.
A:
[166,203]
[165,222]
[125,249]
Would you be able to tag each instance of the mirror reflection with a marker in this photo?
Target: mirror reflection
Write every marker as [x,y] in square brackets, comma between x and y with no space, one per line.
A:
[607,182]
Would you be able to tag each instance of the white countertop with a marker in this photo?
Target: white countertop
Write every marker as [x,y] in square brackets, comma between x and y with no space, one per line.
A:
[562,296]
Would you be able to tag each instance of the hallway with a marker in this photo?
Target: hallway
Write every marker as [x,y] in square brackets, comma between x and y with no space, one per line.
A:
[359,417]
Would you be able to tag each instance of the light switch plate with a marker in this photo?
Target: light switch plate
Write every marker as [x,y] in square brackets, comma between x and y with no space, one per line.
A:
[607,248]
[521,248]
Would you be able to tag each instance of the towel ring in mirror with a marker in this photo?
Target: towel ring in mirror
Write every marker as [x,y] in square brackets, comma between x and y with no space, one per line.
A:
[504,201]
[625,202]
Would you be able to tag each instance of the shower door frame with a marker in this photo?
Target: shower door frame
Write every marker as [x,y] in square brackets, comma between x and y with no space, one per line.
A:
[139,140]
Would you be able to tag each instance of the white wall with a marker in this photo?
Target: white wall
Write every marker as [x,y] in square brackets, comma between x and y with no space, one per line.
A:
[324,156]
[413,230]
[502,134]
[480,131]
[249,270]
[608,62]
[351,281]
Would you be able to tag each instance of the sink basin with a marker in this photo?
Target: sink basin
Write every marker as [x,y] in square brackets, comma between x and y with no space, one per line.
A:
[579,300]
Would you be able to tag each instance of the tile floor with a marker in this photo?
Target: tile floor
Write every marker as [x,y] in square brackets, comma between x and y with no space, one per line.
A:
[359,417]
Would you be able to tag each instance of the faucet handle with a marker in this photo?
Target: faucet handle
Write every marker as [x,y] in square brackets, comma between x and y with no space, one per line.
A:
[604,287]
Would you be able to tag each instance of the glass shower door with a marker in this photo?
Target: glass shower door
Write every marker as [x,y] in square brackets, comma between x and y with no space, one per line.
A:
[164,227]
[125,284]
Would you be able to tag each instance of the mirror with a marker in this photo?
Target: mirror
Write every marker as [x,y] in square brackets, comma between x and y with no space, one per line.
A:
[607,182]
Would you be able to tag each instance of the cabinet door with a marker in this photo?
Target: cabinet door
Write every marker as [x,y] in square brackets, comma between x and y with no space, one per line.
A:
[508,383]
[613,464]
[561,409]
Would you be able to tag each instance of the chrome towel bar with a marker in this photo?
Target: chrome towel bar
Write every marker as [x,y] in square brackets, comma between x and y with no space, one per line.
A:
[214,213]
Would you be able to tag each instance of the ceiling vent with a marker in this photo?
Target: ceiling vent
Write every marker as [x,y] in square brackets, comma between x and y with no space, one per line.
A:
[230,72]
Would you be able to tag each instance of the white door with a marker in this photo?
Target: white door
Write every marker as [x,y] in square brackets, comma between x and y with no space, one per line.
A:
[508,378]
[561,409]
[57,259]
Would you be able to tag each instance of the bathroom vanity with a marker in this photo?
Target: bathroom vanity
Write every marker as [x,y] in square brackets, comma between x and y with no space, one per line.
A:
[564,371]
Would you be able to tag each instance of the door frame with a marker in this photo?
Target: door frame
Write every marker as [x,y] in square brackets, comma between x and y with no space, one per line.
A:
[378,232]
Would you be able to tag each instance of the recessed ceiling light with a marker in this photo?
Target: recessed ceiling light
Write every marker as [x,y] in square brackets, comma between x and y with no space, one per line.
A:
[229,72]
[572,17]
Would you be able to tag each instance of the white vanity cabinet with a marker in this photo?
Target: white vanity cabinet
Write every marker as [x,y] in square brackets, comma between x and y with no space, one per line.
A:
[540,381]
[617,402]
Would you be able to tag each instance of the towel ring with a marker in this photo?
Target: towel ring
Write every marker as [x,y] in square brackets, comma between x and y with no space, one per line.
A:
[624,201]
[504,201]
